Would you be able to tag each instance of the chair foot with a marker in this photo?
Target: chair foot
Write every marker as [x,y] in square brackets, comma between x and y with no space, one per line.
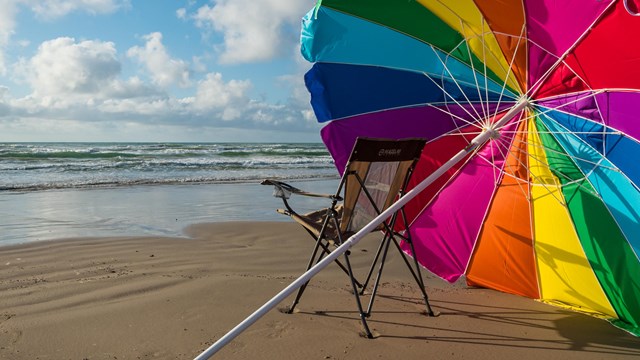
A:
[286,310]
[431,313]
[367,334]
[365,327]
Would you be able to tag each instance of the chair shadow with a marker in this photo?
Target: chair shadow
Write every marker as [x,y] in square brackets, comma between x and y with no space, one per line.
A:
[568,330]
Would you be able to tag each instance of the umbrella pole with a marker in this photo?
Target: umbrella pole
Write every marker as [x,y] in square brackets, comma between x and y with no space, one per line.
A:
[355,238]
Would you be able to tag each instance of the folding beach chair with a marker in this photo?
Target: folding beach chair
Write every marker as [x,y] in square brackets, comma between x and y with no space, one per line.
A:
[375,177]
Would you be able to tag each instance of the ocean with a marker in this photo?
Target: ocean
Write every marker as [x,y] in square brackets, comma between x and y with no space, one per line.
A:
[43,166]
[61,190]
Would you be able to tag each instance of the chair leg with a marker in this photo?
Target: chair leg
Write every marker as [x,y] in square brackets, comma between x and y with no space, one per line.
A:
[417,274]
[312,260]
[326,251]
[363,316]
[373,265]
[387,242]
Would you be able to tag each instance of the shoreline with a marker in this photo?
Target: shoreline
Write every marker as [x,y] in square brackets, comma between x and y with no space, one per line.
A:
[141,210]
[141,183]
[167,298]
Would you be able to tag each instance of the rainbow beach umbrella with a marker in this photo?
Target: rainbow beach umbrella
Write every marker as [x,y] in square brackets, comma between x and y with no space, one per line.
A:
[531,112]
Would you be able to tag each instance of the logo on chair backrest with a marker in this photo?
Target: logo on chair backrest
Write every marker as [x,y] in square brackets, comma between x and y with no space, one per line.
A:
[389,152]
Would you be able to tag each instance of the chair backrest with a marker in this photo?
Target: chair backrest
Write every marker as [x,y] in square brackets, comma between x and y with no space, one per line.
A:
[377,170]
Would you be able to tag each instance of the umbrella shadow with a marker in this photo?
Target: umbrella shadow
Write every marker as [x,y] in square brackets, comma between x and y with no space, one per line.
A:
[556,329]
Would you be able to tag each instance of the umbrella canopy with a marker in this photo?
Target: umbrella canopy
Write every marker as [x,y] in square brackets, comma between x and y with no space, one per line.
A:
[549,206]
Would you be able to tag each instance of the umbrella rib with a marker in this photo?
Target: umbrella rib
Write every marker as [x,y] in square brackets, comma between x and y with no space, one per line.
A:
[569,180]
[517,158]
[558,132]
[603,133]
[590,162]
[501,172]
[506,79]
[576,158]
[544,76]
[549,109]
[503,154]
[585,176]
[455,81]
[536,179]
[475,76]
[484,63]
[493,56]
[590,93]
[452,115]
[508,147]
[445,92]
[539,161]
[452,77]
[501,142]
[561,59]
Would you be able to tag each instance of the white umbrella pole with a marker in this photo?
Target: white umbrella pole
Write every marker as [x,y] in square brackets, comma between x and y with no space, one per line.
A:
[355,238]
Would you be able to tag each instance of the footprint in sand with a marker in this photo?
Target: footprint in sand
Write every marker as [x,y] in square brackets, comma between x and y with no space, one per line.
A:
[278,329]
[8,336]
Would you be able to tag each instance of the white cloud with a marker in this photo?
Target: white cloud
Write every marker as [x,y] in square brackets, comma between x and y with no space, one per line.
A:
[164,70]
[78,85]
[214,93]
[82,81]
[8,12]
[68,75]
[181,13]
[51,9]
[252,30]
[63,66]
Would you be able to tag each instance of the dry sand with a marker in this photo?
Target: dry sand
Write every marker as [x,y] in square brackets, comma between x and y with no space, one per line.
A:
[141,298]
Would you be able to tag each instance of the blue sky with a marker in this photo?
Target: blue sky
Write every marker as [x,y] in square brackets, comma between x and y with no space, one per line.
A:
[153,70]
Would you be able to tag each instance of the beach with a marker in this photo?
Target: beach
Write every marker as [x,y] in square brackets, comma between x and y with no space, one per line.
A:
[162,270]
[169,298]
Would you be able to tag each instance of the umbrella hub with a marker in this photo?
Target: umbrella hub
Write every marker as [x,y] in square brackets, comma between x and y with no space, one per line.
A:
[492,132]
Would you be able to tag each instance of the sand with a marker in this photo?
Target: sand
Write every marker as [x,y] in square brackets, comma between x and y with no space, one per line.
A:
[170,298]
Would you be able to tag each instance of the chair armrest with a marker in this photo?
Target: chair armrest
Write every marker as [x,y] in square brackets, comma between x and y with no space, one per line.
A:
[283,190]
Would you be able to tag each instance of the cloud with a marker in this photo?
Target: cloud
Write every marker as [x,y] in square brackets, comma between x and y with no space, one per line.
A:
[77,86]
[82,81]
[8,12]
[181,13]
[164,70]
[214,93]
[252,30]
[65,74]
[63,66]
[51,9]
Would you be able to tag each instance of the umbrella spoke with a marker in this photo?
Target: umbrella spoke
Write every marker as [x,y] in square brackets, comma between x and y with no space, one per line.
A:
[453,78]
[475,75]
[513,58]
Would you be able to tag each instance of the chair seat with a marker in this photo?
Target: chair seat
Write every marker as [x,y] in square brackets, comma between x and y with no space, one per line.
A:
[313,221]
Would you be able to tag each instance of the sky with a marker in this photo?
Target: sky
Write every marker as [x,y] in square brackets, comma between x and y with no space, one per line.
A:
[154,70]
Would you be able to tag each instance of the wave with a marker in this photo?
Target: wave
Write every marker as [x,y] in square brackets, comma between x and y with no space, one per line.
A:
[79,151]
[65,155]
[42,166]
